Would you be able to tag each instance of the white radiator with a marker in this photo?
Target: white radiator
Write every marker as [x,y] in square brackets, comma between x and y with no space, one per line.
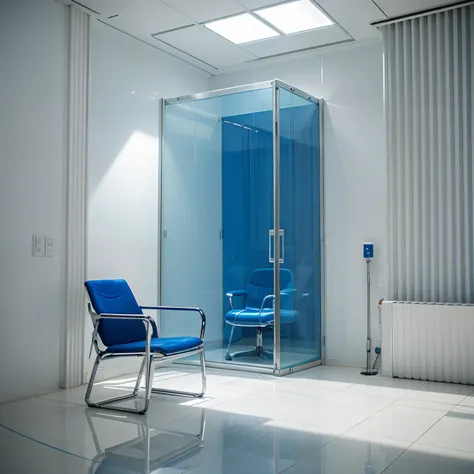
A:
[428,341]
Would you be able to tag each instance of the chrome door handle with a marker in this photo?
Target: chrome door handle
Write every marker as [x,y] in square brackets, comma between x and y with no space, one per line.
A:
[271,237]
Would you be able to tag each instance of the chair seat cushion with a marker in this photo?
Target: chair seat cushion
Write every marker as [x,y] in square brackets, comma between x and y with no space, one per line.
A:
[249,317]
[163,345]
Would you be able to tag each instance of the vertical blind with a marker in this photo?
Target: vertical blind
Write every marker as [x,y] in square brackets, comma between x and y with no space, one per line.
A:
[429,90]
[79,26]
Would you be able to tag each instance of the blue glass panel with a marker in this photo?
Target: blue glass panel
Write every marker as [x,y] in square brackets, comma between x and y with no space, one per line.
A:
[247,202]
[300,222]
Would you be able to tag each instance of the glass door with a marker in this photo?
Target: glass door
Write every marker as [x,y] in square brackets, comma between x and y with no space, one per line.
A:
[300,230]
[247,218]
[217,213]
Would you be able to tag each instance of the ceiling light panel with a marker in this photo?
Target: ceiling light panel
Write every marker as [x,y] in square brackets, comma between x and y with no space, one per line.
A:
[241,29]
[206,46]
[294,17]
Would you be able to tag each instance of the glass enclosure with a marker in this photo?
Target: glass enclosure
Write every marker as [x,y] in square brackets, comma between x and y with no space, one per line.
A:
[240,217]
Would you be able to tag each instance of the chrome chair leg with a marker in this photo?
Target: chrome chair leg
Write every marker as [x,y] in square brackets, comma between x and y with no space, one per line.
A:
[150,372]
[184,393]
[203,373]
[103,403]
[148,363]
[140,375]
[90,385]
[228,356]
[259,340]
[259,351]
[203,426]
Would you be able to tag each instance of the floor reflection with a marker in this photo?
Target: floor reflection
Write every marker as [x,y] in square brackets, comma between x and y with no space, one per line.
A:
[150,450]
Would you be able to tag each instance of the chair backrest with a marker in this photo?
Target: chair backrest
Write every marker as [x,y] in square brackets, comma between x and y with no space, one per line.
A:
[115,297]
[260,284]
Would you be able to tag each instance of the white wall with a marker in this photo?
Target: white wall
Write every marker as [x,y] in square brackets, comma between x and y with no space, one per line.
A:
[350,79]
[33,58]
[127,80]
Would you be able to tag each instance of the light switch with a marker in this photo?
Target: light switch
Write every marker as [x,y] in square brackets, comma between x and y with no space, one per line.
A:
[38,246]
[49,246]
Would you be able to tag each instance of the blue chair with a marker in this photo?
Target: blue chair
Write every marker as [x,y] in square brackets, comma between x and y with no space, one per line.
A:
[122,330]
[258,311]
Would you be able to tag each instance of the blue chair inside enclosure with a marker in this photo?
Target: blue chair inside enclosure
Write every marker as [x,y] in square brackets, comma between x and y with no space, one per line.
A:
[121,329]
[258,308]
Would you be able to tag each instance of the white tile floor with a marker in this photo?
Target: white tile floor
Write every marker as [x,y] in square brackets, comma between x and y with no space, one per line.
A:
[324,420]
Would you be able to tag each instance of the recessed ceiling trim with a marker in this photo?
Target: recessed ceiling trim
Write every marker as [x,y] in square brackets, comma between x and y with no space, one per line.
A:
[172,30]
[425,12]
[304,50]
[160,49]
[85,8]
[336,23]
[209,68]
[379,7]
[301,53]
[184,52]
[296,52]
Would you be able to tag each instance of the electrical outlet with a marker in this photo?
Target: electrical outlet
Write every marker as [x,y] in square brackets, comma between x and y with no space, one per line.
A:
[49,246]
[38,246]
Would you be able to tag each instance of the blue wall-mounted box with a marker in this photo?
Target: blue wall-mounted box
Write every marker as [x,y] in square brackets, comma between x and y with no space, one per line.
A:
[368,250]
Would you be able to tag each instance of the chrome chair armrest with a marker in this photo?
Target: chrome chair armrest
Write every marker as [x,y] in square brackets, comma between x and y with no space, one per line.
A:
[272,297]
[96,316]
[122,316]
[262,307]
[236,293]
[264,302]
[141,317]
[232,294]
[185,309]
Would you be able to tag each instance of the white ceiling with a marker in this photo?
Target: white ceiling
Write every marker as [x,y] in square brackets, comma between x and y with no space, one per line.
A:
[175,26]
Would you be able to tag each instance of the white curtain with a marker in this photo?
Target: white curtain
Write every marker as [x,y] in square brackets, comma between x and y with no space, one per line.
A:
[72,373]
[429,91]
